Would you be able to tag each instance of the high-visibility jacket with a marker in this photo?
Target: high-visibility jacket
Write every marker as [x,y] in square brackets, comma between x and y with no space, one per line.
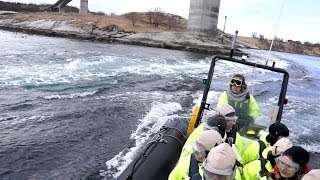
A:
[248,107]
[187,148]
[183,168]
[253,170]
[252,152]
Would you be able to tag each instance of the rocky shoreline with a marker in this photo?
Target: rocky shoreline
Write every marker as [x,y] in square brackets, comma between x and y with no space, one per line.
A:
[112,34]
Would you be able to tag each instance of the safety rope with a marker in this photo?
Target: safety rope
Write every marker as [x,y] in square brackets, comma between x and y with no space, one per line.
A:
[158,138]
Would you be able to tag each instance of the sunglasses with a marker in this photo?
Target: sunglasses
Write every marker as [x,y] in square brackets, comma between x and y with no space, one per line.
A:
[236,82]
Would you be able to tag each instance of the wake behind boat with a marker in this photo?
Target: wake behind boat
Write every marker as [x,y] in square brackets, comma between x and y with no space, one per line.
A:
[161,153]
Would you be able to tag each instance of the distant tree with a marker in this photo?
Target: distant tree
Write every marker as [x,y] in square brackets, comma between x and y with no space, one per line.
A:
[100,13]
[133,16]
[307,43]
[298,42]
[261,37]
[158,16]
[112,14]
[276,39]
[255,35]
[150,16]
[173,22]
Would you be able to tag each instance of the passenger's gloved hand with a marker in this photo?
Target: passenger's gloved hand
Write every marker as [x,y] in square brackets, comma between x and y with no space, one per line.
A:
[262,133]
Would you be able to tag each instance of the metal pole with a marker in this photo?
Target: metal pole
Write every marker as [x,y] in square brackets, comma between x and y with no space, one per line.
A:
[233,46]
[224,26]
[225,20]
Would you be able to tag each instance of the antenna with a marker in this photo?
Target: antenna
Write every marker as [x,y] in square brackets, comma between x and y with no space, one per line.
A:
[274,35]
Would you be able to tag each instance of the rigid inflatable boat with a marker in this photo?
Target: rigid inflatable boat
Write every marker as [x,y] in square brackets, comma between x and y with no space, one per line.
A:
[162,152]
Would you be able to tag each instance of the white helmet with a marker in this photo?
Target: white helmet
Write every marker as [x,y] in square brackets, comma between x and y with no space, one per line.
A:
[228,112]
[220,160]
[209,139]
[280,146]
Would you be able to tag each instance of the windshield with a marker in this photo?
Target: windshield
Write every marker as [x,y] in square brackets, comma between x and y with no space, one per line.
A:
[252,91]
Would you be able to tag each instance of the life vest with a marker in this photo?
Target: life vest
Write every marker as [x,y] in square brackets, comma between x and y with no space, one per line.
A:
[194,167]
[241,108]
[232,135]
[263,161]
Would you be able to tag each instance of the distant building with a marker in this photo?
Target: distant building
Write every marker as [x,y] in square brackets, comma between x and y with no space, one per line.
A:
[203,17]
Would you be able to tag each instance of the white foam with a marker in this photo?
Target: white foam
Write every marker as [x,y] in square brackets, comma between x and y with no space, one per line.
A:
[262,56]
[151,123]
[70,96]
[313,148]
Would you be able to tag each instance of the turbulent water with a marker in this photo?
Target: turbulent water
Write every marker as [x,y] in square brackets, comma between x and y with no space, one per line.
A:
[80,110]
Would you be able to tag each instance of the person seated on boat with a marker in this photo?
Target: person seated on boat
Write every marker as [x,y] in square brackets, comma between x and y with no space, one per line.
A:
[292,164]
[258,168]
[314,174]
[216,122]
[276,132]
[233,137]
[241,100]
[189,165]
[220,164]
[229,131]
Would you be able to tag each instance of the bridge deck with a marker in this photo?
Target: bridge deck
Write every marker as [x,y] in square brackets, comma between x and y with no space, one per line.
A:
[60,3]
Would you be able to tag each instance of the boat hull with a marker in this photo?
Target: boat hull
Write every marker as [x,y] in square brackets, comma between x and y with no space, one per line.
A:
[159,156]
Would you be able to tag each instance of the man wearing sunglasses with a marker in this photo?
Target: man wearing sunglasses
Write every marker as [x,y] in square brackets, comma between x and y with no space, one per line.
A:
[238,97]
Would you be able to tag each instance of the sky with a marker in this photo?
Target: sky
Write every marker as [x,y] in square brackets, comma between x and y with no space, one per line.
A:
[299,20]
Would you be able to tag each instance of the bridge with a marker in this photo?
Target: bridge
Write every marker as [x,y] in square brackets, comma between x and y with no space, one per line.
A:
[203,15]
[61,4]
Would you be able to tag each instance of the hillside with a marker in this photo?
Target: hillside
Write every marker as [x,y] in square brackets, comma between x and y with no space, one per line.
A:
[121,21]
[143,24]
[288,46]
[153,21]
[115,29]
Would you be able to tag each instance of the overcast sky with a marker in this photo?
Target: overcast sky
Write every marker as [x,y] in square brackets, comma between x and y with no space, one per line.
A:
[300,20]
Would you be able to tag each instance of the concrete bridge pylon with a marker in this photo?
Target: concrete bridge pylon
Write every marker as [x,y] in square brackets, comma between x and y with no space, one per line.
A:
[203,17]
[84,7]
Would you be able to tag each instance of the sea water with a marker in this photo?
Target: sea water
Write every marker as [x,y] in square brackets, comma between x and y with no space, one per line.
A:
[75,109]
